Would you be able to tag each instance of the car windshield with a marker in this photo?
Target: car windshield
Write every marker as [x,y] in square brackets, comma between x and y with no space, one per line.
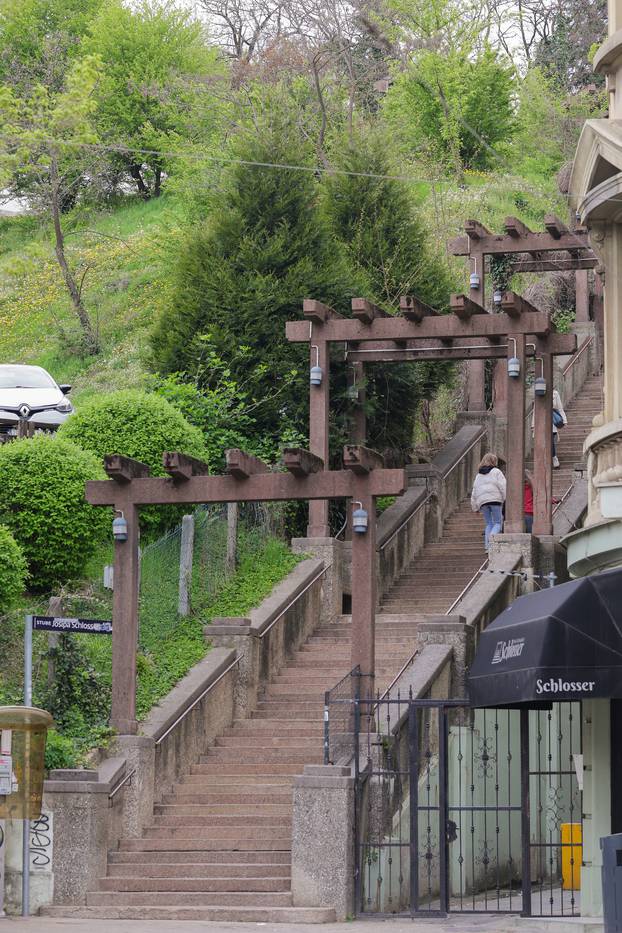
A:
[25,377]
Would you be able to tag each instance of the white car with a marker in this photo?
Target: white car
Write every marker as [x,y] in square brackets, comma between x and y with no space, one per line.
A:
[28,393]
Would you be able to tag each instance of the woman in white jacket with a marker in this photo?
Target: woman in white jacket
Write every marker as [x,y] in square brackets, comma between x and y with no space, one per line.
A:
[560,414]
[488,496]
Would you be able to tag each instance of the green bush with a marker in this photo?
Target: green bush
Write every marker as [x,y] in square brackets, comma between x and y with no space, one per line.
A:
[60,751]
[42,503]
[13,569]
[135,424]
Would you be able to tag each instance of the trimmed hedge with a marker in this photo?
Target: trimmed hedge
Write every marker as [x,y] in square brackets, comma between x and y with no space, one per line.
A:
[135,424]
[42,503]
[13,570]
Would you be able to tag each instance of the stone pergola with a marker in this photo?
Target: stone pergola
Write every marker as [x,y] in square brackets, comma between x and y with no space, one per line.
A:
[418,333]
[247,479]
[557,248]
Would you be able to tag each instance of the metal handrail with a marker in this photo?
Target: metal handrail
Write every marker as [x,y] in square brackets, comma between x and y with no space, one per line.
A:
[196,702]
[578,353]
[405,522]
[295,599]
[429,495]
[464,453]
[396,678]
[467,587]
[124,780]
[563,498]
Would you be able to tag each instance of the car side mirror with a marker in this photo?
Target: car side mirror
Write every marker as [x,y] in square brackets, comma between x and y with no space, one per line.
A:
[65,389]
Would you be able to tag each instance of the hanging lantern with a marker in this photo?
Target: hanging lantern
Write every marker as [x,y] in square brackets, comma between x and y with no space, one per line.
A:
[353,393]
[474,280]
[497,297]
[539,386]
[315,373]
[360,519]
[119,528]
[514,367]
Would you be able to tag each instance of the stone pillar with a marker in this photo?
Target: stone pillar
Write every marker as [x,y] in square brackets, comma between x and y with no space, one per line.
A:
[582,296]
[356,381]
[453,631]
[475,400]
[514,503]
[596,800]
[364,595]
[138,800]
[323,844]
[607,241]
[185,564]
[319,401]
[543,453]
[125,624]
[331,551]
[81,837]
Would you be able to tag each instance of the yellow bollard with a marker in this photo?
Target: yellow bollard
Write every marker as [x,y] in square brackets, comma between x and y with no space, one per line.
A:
[572,853]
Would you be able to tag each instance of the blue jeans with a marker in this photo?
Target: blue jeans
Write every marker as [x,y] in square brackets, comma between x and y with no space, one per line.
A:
[493,516]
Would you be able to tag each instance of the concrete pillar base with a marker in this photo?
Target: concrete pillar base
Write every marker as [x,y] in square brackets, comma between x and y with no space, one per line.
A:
[323,839]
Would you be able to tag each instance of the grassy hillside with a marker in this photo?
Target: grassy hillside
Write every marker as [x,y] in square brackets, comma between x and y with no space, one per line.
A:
[124,256]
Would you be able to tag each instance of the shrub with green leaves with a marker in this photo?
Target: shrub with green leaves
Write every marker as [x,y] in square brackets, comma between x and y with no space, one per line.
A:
[139,425]
[42,503]
[13,569]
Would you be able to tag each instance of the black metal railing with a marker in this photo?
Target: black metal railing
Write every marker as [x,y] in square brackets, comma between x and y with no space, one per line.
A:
[340,704]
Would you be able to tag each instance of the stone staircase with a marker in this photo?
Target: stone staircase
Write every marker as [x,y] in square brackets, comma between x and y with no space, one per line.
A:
[580,412]
[219,847]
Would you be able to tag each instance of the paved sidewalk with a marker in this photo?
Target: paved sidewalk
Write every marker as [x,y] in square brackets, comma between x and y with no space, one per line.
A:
[456,924]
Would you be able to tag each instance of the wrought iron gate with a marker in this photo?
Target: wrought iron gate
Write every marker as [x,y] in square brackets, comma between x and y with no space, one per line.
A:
[462,810]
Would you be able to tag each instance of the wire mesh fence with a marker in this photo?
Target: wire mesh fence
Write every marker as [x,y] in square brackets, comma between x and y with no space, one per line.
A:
[210,568]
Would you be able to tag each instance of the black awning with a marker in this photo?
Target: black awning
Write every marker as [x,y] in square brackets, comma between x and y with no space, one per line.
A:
[563,643]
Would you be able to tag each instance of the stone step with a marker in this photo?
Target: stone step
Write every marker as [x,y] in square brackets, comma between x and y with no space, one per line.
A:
[194,843]
[266,741]
[228,779]
[277,727]
[219,883]
[215,821]
[188,898]
[250,914]
[223,809]
[191,795]
[219,858]
[194,870]
[292,755]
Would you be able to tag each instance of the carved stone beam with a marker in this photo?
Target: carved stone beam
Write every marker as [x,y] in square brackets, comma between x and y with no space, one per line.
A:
[476,231]
[555,227]
[516,228]
[463,307]
[242,465]
[515,305]
[180,467]
[361,460]
[316,312]
[124,469]
[301,462]
[366,311]
[413,309]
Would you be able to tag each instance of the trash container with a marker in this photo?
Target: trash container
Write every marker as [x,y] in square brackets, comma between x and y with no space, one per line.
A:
[611,847]
[23,731]
[571,856]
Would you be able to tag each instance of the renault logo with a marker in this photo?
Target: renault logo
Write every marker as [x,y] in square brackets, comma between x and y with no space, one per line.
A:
[24,411]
